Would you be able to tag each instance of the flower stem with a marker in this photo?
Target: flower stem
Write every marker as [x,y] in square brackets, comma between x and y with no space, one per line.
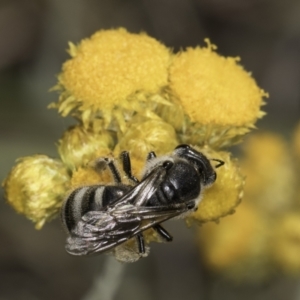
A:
[106,284]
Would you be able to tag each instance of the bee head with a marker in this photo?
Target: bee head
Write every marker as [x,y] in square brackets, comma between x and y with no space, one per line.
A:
[200,162]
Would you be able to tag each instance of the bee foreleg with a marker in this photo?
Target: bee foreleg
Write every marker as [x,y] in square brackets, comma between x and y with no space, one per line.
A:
[103,162]
[163,233]
[127,166]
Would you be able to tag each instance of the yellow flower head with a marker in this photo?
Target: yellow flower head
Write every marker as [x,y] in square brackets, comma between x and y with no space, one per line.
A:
[36,187]
[268,166]
[79,146]
[221,100]
[263,235]
[225,194]
[143,137]
[236,244]
[152,135]
[113,69]
[285,246]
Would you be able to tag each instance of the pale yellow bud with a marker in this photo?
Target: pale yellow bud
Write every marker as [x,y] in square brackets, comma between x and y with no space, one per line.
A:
[36,187]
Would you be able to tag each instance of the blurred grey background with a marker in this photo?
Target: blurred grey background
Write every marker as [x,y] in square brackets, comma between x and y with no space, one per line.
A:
[34,36]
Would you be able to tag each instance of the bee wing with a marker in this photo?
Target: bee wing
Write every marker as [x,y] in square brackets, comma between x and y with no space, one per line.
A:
[142,192]
[100,231]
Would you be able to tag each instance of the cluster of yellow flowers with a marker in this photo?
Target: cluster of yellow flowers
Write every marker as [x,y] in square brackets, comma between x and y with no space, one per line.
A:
[262,238]
[129,92]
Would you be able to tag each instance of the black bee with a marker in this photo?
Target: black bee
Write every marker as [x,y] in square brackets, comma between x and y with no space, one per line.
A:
[99,218]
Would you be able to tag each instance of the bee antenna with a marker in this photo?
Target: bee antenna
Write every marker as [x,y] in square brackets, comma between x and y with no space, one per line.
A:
[220,162]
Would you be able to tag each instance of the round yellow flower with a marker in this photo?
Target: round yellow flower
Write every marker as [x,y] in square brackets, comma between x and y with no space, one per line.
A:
[216,94]
[79,146]
[36,187]
[285,246]
[269,169]
[113,69]
[236,244]
[143,137]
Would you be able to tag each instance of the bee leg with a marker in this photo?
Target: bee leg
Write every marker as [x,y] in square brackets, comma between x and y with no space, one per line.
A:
[151,155]
[101,165]
[163,233]
[127,166]
[114,170]
[141,243]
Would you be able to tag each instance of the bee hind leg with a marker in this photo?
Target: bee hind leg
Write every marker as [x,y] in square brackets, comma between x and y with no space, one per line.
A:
[141,244]
[163,233]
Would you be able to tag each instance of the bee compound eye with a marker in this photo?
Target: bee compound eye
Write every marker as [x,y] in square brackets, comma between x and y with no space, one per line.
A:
[168,164]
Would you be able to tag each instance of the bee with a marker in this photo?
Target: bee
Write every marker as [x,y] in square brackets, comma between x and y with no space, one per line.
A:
[101,218]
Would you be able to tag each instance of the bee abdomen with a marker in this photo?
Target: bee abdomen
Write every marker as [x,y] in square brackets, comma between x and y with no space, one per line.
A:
[79,202]
[89,198]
